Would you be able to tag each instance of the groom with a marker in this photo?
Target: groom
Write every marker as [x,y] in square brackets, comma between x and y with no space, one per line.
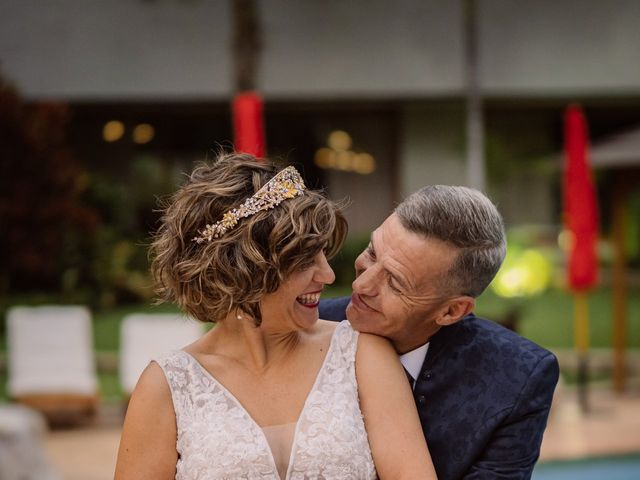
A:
[483,393]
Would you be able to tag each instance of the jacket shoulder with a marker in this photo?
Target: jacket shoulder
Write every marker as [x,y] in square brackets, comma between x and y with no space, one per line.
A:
[493,336]
[333,308]
[483,352]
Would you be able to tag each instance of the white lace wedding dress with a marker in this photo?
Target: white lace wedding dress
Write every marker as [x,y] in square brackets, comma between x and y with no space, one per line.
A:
[217,439]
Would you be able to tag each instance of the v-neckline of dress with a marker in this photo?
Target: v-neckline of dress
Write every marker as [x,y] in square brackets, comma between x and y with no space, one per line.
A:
[253,422]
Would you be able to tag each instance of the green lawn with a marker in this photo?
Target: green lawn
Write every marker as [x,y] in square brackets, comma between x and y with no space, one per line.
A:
[106,324]
[548,318]
[110,390]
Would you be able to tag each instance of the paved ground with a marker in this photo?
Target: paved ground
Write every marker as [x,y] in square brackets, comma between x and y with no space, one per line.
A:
[85,454]
[611,428]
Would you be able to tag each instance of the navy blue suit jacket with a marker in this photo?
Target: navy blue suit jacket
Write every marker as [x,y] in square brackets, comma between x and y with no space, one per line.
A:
[483,397]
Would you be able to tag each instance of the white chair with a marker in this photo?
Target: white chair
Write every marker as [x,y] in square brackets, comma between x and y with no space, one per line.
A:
[22,446]
[51,364]
[145,336]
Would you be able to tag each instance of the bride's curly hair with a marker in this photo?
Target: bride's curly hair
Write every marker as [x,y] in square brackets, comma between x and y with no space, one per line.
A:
[210,280]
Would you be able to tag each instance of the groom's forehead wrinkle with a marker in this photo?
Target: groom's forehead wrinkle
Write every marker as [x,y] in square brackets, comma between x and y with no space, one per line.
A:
[404,279]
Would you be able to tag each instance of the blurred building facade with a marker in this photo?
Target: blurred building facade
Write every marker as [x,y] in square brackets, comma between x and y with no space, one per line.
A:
[389,74]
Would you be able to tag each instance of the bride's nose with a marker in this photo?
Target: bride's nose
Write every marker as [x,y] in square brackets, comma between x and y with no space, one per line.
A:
[324,272]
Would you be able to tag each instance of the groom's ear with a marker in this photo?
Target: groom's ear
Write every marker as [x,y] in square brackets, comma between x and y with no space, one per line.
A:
[456,309]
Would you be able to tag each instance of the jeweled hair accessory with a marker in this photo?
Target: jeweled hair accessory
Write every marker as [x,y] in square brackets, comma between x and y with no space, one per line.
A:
[285,184]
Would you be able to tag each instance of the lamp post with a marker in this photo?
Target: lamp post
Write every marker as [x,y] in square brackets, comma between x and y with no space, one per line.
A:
[248,124]
[475,119]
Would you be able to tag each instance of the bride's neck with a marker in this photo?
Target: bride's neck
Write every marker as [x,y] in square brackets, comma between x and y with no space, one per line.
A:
[256,347]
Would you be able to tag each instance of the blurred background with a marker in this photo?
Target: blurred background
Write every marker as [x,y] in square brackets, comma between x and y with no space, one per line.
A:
[104,106]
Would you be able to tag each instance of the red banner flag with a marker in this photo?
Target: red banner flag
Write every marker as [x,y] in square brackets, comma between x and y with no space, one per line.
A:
[580,203]
[247,124]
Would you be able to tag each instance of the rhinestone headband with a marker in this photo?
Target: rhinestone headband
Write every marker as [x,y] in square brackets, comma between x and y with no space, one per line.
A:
[286,184]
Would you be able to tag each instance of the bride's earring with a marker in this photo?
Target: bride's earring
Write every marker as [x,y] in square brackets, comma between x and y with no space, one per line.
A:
[239,316]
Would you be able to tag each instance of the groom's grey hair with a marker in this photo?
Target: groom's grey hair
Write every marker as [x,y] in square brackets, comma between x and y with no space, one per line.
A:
[465,218]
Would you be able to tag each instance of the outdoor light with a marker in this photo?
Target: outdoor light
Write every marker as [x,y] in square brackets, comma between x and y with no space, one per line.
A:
[344,160]
[143,133]
[523,274]
[338,156]
[112,131]
[364,163]
[324,158]
[339,140]
[565,240]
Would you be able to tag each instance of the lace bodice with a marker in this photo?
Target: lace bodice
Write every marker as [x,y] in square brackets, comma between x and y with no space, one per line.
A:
[218,439]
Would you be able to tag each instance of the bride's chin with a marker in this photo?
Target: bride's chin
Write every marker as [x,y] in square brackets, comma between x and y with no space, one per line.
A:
[305,315]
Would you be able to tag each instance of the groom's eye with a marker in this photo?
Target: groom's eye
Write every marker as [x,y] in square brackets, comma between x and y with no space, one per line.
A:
[393,287]
[371,252]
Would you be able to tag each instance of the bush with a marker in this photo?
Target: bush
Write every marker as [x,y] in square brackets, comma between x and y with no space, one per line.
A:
[46,229]
[343,262]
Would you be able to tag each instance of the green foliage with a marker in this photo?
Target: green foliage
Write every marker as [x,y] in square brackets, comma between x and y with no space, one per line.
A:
[106,323]
[343,262]
[120,269]
[519,148]
[80,237]
[533,259]
[110,390]
[632,240]
[129,206]
[547,319]
[3,385]
[46,228]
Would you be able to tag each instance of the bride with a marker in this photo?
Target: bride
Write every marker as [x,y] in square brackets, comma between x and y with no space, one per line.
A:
[271,392]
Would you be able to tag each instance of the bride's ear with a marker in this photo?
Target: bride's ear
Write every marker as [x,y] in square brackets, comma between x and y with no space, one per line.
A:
[455,310]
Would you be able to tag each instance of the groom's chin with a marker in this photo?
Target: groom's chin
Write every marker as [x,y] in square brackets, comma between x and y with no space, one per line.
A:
[355,317]
[350,312]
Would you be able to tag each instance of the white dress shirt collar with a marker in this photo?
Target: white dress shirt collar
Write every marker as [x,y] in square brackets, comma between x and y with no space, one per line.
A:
[412,361]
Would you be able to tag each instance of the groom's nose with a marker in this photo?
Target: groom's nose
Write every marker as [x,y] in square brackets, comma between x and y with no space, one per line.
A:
[367,281]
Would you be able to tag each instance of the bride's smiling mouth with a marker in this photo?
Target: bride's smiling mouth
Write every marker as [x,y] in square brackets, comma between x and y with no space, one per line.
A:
[309,300]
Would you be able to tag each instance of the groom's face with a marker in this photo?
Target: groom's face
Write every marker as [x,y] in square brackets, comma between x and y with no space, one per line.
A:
[397,292]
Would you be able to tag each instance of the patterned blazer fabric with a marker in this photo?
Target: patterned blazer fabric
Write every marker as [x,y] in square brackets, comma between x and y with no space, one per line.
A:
[483,397]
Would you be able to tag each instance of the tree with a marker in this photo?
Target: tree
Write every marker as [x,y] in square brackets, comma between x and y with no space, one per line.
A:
[44,225]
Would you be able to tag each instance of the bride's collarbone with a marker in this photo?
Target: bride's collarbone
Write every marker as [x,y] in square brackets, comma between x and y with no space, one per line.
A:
[275,393]
[222,354]
[288,375]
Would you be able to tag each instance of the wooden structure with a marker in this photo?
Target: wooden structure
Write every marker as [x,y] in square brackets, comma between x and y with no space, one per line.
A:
[619,155]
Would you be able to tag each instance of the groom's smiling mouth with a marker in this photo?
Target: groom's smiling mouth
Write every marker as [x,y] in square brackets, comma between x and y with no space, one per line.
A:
[358,302]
